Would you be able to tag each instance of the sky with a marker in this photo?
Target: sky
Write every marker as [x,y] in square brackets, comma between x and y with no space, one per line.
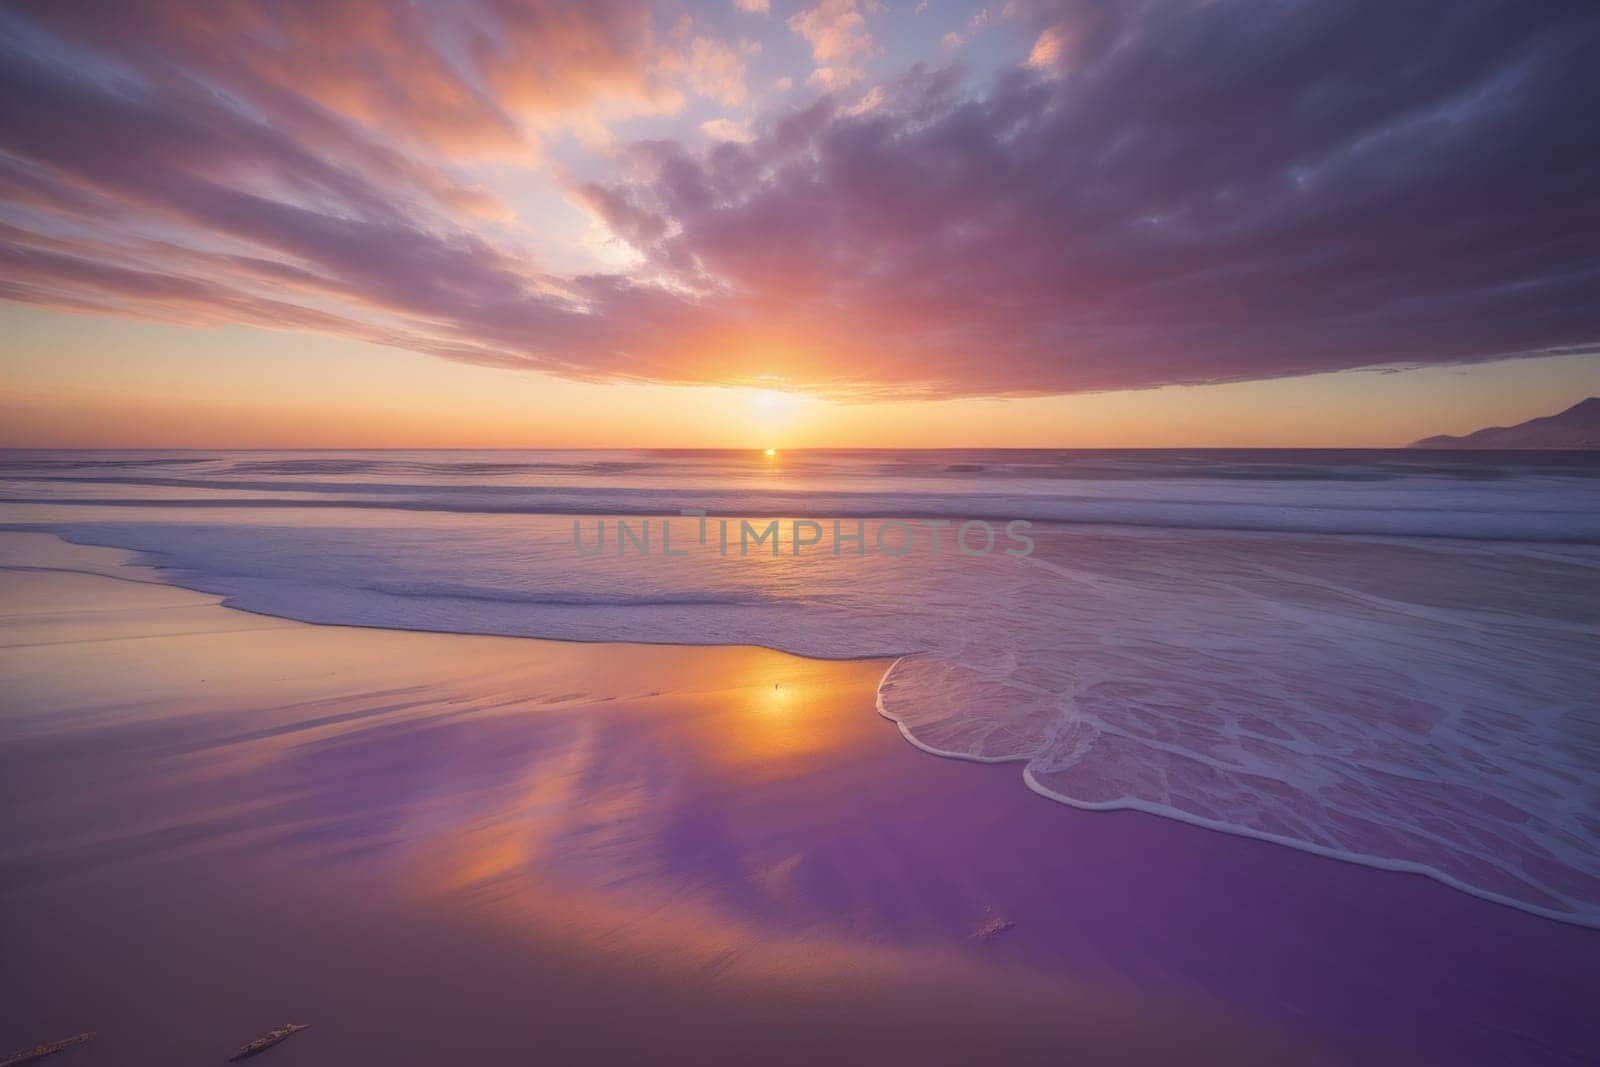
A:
[753,223]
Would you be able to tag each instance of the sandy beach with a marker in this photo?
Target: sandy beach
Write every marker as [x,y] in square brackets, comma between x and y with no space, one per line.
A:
[816,532]
[437,848]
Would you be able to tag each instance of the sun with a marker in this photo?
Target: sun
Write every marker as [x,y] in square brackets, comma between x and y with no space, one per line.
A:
[770,415]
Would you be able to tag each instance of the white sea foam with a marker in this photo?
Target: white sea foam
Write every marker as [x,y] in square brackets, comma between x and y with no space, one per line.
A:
[1422,702]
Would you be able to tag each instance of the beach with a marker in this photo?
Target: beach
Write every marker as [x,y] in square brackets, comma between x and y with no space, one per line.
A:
[820,532]
[484,849]
[1382,657]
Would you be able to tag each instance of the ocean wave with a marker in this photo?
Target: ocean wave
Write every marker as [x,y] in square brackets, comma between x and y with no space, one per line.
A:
[1551,520]
[1419,703]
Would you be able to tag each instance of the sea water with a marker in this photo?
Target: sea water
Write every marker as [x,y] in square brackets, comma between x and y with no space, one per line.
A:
[1388,657]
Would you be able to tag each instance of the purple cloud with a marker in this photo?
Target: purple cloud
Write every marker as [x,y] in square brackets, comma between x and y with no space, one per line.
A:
[1152,193]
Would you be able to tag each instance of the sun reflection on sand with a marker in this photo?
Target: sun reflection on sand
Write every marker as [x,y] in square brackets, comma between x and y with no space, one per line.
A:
[522,778]
[492,814]
[711,818]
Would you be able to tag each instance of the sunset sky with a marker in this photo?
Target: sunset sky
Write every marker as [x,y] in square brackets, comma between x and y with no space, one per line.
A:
[746,223]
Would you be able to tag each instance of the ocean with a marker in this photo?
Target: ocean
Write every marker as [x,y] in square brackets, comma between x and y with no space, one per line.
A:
[1389,657]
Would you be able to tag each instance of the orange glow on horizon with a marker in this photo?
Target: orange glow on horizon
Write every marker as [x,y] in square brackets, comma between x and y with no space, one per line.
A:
[79,382]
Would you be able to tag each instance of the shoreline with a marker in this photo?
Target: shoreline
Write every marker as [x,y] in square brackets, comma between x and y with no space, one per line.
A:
[735,808]
[894,659]
[1157,811]
[1378,863]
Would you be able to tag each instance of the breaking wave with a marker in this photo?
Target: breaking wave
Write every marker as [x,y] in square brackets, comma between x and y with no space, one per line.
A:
[1385,658]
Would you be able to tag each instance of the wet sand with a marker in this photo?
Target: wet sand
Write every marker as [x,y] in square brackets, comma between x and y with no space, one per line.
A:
[438,848]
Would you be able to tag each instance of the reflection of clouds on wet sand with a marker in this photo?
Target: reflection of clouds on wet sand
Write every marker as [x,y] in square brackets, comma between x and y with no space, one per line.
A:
[398,835]
[1415,702]
[216,789]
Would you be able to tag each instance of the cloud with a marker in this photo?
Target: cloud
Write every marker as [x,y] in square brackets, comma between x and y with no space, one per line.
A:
[754,7]
[716,71]
[1184,192]
[723,129]
[872,98]
[390,69]
[833,79]
[1049,48]
[1369,189]
[230,201]
[839,39]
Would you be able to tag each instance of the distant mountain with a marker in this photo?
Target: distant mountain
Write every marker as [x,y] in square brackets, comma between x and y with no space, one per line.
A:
[1576,427]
